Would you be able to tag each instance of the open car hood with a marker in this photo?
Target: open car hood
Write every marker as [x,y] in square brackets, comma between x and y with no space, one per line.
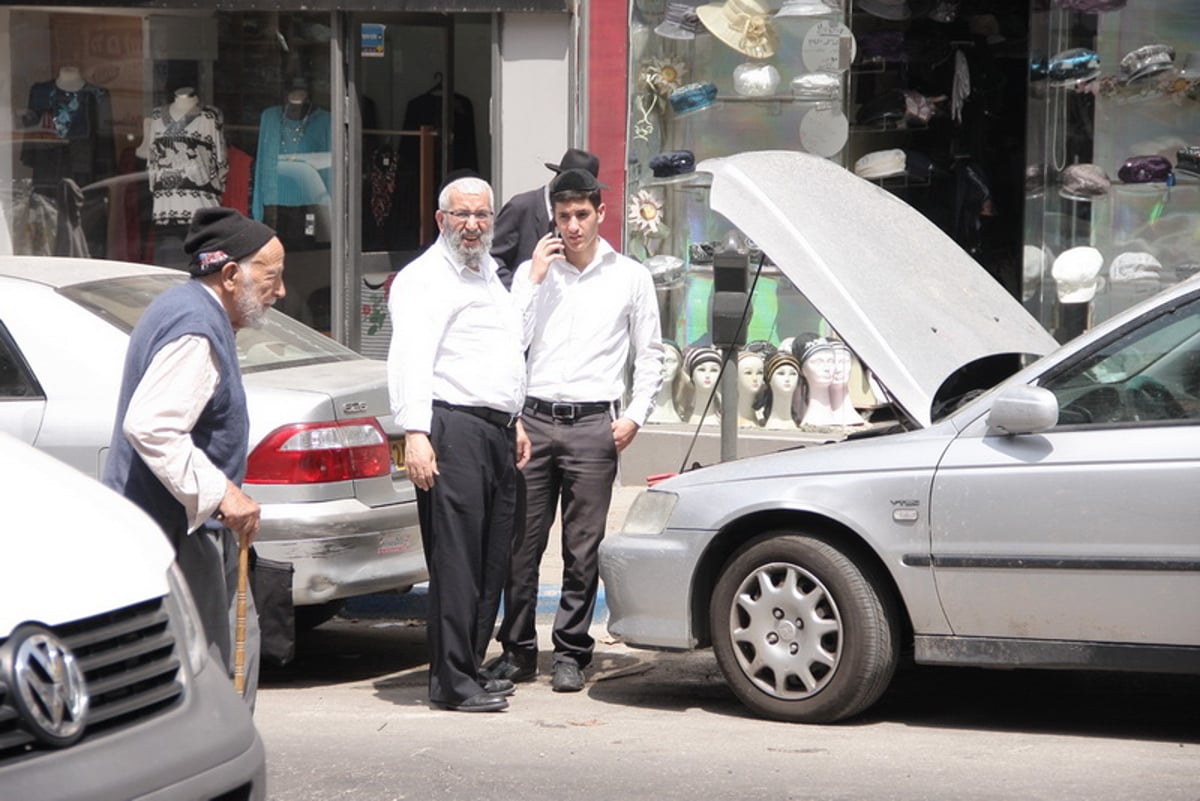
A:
[904,296]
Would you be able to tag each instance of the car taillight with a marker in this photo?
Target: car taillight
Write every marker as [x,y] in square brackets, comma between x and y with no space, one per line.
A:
[314,453]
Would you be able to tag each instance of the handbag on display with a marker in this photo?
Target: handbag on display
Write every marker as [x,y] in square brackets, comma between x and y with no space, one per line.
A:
[1146,170]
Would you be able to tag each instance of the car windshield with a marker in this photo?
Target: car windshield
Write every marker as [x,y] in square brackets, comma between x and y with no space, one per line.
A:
[281,342]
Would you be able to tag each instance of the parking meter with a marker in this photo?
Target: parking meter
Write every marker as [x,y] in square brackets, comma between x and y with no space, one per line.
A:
[731,295]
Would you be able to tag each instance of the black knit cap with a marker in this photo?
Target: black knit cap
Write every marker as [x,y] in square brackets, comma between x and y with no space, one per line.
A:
[575,181]
[220,235]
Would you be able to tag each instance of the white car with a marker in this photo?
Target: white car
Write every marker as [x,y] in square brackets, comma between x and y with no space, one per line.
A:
[325,456]
[103,661]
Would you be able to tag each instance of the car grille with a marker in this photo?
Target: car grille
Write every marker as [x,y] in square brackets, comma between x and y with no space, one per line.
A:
[129,660]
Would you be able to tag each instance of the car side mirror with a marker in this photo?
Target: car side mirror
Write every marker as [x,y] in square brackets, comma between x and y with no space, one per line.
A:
[1023,409]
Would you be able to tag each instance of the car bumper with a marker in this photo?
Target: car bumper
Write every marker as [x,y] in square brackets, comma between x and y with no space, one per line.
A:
[343,548]
[207,747]
[648,587]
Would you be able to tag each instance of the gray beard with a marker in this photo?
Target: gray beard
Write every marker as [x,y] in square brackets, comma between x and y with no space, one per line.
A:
[252,313]
[467,257]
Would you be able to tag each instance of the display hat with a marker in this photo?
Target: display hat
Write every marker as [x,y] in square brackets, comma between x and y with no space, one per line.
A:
[1135,265]
[895,10]
[693,97]
[780,358]
[744,25]
[1073,66]
[817,86]
[1092,6]
[672,163]
[219,235]
[1187,160]
[808,8]
[1075,272]
[881,164]
[575,180]
[701,354]
[680,22]
[1147,60]
[1084,181]
[1146,170]
[576,159]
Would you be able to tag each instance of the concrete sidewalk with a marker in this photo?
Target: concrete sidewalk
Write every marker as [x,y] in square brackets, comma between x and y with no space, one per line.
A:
[415,604]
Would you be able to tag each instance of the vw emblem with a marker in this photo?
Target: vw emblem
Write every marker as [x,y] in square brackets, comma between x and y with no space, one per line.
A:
[51,692]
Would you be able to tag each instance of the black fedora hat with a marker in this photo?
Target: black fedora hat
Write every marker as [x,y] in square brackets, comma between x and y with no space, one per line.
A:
[576,159]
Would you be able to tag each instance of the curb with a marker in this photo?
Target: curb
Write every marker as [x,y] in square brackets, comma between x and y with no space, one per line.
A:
[414,604]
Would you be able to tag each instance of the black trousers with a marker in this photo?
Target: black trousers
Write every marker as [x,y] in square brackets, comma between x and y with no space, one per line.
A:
[577,463]
[466,528]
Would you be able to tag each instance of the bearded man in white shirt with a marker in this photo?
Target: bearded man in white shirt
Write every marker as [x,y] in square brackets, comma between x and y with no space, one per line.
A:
[586,309]
[456,377]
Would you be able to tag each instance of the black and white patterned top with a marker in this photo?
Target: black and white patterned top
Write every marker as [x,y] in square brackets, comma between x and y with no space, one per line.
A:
[187,162]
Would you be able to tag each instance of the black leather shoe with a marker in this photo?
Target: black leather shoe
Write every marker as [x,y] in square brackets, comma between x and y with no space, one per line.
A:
[499,687]
[568,678]
[512,668]
[479,702]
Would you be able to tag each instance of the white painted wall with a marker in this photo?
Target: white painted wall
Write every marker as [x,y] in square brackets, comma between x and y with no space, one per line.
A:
[533,100]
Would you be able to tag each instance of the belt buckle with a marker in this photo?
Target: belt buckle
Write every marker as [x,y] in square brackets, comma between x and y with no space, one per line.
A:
[562,411]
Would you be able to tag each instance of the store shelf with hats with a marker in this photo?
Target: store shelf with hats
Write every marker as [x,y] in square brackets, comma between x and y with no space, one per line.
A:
[1120,102]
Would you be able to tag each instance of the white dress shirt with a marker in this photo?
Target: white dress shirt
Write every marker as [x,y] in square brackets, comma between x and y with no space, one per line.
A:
[456,337]
[163,410]
[581,326]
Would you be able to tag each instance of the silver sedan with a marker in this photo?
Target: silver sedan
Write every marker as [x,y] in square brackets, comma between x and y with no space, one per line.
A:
[1046,519]
[325,459]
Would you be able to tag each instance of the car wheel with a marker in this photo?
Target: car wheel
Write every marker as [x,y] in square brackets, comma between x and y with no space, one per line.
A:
[800,631]
[310,616]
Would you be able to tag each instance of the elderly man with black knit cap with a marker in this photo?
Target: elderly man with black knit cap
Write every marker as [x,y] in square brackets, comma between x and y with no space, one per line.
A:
[182,430]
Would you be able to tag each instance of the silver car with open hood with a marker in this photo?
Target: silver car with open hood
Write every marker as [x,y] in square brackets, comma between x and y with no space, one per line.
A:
[1035,516]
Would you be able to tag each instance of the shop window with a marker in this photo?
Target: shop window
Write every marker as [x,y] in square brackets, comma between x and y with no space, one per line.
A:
[925,100]
[1112,186]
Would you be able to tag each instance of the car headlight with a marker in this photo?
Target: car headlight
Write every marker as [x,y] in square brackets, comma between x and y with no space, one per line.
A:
[650,513]
[195,644]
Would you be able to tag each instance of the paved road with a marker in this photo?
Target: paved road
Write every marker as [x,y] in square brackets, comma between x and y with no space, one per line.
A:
[349,720]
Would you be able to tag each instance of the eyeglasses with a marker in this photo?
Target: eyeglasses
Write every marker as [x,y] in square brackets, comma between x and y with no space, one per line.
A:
[463,216]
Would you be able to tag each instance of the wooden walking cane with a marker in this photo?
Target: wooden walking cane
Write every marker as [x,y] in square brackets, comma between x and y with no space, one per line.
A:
[239,637]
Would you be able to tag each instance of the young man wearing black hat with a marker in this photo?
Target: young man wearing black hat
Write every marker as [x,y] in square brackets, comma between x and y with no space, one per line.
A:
[587,310]
[181,433]
[525,218]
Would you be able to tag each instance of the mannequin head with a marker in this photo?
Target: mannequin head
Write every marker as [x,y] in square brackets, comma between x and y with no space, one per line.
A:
[750,373]
[702,364]
[782,373]
[842,359]
[671,361]
[817,362]
[702,367]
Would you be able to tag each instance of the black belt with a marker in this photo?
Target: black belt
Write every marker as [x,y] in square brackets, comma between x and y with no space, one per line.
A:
[564,411]
[493,416]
